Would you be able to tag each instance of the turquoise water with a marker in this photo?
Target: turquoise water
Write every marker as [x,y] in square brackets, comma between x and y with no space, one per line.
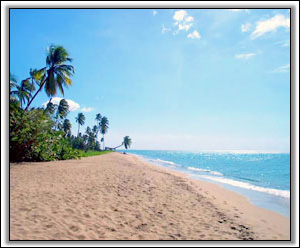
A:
[262,177]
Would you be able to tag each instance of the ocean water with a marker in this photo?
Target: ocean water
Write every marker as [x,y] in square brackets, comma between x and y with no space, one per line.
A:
[264,178]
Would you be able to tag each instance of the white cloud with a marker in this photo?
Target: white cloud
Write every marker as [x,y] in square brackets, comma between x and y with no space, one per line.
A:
[189,19]
[179,15]
[246,27]
[72,105]
[154,12]
[185,26]
[270,25]
[284,68]
[164,29]
[244,55]
[88,109]
[194,35]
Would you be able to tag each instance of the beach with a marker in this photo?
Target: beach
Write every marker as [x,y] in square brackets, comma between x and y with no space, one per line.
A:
[121,197]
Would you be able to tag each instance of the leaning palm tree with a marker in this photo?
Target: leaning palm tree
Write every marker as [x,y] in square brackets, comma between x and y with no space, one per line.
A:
[104,125]
[67,127]
[80,119]
[56,74]
[127,142]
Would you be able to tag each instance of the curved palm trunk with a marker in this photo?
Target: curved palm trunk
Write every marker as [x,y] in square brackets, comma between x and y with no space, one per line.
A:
[118,146]
[41,86]
[33,97]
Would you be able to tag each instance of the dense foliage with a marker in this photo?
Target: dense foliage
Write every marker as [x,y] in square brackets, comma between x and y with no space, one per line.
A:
[33,137]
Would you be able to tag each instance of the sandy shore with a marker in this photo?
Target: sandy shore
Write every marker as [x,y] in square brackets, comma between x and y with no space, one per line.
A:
[120,197]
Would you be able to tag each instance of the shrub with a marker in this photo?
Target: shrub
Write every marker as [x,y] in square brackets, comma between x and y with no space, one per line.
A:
[33,137]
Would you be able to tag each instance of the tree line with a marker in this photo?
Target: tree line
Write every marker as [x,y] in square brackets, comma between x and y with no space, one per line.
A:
[42,134]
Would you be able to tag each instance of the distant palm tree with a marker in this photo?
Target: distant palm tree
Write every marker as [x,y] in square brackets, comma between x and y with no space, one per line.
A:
[62,110]
[95,131]
[88,130]
[98,119]
[127,142]
[56,74]
[80,119]
[104,125]
[50,108]
[67,127]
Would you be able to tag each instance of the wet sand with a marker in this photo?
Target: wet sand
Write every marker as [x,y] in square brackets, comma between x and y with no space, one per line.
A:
[120,197]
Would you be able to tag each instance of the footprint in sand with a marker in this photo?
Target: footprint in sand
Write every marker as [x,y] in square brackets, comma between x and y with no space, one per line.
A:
[74,228]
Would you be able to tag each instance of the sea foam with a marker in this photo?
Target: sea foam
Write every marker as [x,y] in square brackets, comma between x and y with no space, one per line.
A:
[205,170]
[277,192]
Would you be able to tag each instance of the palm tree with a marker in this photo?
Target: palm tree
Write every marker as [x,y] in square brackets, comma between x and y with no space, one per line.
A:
[98,119]
[12,85]
[50,108]
[103,128]
[80,119]
[67,127]
[22,91]
[127,142]
[62,110]
[88,130]
[56,74]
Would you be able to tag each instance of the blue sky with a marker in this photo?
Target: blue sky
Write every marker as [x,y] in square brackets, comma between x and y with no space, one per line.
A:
[190,79]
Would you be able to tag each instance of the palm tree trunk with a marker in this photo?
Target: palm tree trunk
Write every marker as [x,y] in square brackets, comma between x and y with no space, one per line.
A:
[119,146]
[33,97]
[103,143]
[78,129]
[41,86]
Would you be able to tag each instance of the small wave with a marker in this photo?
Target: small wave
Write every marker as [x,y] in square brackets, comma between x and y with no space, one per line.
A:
[162,161]
[205,170]
[277,192]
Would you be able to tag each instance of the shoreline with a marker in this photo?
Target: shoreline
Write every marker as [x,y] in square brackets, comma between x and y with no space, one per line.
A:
[258,198]
[121,197]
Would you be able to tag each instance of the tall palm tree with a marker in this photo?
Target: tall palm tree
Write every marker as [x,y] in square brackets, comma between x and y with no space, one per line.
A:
[98,119]
[80,119]
[104,125]
[127,142]
[57,72]
[67,127]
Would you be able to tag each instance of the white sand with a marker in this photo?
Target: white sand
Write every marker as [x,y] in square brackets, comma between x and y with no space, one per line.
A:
[116,196]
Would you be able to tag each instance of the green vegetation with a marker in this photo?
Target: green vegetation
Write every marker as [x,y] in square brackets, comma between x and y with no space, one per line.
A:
[89,153]
[44,134]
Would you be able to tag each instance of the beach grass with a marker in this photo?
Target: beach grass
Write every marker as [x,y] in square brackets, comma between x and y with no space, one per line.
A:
[90,153]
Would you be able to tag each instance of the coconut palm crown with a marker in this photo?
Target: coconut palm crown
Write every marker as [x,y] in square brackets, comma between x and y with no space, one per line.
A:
[80,119]
[127,142]
[57,73]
